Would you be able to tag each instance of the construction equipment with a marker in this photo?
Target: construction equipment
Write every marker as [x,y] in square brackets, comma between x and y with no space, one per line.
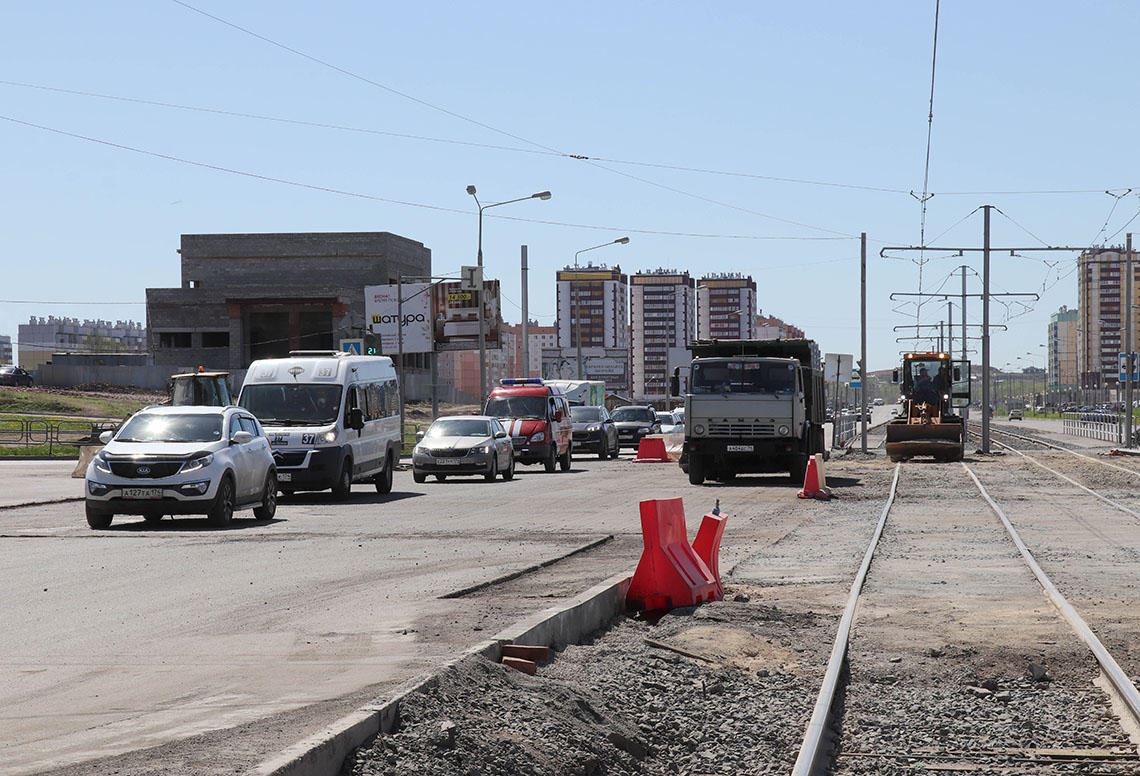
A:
[932,385]
[201,388]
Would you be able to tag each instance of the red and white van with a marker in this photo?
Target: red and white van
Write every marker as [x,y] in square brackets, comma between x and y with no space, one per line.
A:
[537,417]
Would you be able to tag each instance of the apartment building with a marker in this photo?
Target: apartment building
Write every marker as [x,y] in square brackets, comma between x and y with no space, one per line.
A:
[5,349]
[662,316]
[40,337]
[540,337]
[726,306]
[1100,293]
[769,327]
[1062,346]
[593,307]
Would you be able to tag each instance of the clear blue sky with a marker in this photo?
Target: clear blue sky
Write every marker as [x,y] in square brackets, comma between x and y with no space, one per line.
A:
[1029,97]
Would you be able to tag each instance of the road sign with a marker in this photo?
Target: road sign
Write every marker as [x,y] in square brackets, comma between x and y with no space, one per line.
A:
[353,346]
[1123,367]
[856,383]
[469,278]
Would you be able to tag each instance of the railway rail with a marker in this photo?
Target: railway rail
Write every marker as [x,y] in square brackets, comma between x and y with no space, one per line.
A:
[817,748]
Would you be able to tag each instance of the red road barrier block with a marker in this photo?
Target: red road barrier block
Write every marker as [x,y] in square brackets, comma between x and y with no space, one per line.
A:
[651,450]
[707,547]
[520,664]
[669,573]
[533,654]
[813,484]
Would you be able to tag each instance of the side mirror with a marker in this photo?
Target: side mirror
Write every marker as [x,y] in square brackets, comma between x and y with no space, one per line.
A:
[241,438]
[895,377]
[501,435]
[106,437]
[419,436]
[356,419]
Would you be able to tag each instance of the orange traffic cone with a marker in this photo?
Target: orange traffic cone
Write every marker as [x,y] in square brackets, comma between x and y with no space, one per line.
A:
[814,484]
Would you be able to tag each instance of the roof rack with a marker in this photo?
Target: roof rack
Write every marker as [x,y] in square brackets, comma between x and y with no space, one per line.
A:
[295,353]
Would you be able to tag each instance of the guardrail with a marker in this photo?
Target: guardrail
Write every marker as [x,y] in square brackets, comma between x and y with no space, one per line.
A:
[1106,426]
[19,432]
[845,429]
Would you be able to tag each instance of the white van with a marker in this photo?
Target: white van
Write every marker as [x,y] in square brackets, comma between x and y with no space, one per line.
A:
[332,419]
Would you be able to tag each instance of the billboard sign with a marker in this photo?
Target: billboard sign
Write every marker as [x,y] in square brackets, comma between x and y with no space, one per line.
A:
[455,316]
[610,365]
[382,309]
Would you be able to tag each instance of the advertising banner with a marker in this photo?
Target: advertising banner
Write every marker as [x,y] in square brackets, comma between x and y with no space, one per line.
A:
[837,367]
[380,310]
[455,317]
[610,365]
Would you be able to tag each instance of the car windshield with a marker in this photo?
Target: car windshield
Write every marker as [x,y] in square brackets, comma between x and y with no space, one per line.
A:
[666,418]
[743,377]
[464,427]
[516,407]
[633,414]
[586,414]
[302,404]
[163,427]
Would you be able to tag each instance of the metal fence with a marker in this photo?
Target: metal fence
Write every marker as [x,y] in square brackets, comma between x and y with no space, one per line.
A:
[844,430]
[54,434]
[1106,426]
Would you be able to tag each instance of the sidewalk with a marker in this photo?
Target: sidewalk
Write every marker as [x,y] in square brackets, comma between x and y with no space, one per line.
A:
[36,482]
[1050,430]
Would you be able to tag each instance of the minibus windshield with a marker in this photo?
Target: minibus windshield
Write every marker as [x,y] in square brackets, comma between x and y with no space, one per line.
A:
[301,404]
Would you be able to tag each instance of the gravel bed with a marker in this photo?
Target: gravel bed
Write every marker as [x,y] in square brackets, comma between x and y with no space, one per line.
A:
[620,705]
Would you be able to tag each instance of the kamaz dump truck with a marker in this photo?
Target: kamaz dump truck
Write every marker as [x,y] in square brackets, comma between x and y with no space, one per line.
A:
[932,384]
[752,406]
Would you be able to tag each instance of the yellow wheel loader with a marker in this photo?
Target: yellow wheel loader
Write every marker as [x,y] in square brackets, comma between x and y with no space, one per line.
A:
[932,385]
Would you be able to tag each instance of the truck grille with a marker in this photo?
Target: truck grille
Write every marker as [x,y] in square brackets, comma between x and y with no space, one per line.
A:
[739,429]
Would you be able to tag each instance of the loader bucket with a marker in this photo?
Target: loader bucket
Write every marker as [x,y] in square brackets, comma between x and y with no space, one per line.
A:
[942,441]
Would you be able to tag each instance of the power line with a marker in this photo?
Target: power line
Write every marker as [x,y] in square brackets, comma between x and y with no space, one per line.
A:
[926,166]
[1019,226]
[392,201]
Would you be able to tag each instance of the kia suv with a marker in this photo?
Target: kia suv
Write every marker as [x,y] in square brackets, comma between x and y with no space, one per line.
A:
[182,461]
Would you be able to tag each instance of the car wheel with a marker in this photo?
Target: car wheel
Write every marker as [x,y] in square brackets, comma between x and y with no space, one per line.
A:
[152,518]
[97,518]
[696,470]
[509,474]
[222,509]
[616,451]
[268,507]
[343,487]
[419,477]
[384,478]
[603,449]
[551,459]
[492,473]
[564,461]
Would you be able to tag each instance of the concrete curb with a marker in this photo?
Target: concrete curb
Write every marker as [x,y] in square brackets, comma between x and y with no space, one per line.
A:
[323,753]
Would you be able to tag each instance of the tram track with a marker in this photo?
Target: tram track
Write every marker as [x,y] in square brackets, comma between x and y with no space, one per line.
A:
[825,737]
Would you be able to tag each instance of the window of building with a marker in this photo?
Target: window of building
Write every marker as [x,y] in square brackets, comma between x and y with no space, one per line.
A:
[215,339]
[174,339]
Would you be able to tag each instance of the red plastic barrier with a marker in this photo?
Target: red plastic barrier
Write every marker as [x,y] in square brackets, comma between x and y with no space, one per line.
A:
[651,450]
[707,546]
[669,573]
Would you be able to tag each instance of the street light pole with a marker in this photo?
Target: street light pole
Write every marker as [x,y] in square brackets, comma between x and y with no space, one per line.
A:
[575,294]
[544,195]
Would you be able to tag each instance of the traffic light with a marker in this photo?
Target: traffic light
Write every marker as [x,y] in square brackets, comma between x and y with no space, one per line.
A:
[371,344]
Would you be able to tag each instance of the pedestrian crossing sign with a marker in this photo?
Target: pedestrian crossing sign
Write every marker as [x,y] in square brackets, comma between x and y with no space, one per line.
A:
[352,346]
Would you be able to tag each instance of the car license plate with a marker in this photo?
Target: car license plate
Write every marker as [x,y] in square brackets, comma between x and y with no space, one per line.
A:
[738,448]
[449,461]
[142,493]
[284,476]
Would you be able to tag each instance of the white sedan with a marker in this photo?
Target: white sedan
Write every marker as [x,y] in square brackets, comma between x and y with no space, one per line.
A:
[182,460]
[464,444]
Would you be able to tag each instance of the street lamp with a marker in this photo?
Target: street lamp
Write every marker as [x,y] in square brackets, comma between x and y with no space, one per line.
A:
[575,307]
[479,290]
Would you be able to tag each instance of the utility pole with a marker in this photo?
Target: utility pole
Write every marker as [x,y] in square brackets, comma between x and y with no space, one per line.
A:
[863,337]
[525,319]
[966,409]
[400,347]
[1129,360]
[986,327]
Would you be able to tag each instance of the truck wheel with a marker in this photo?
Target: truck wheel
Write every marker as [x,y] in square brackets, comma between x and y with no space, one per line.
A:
[551,460]
[798,469]
[696,470]
[564,461]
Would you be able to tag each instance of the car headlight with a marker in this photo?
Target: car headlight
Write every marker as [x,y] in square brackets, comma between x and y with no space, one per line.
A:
[199,461]
[330,436]
[699,429]
[592,428]
[644,430]
[101,463]
[539,437]
[481,449]
[783,430]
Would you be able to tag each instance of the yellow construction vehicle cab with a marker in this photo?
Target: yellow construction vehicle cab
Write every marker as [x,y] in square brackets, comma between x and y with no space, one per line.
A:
[200,388]
[932,385]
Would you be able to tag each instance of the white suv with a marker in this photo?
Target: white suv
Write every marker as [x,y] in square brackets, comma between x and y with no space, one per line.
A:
[183,461]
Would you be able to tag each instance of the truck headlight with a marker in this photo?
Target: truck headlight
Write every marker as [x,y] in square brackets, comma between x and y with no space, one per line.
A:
[699,429]
[783,431]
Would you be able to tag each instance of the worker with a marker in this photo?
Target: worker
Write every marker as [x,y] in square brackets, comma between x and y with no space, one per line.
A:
[924,388]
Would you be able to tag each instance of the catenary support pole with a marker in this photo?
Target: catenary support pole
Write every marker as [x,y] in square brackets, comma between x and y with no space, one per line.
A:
[434,385]
[1129,359]
[986,328]
[966,409]
[525,371]
[863,336]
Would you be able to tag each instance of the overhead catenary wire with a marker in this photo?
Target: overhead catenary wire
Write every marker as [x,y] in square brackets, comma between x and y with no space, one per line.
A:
[925,198]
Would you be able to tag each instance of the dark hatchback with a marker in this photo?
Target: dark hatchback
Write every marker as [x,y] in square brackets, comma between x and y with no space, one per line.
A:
[594,431]
[635,422]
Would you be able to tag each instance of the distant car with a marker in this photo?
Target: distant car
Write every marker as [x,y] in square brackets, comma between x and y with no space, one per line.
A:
[878,402]
[594,430]
[634,422]
[14,375]
[1016,414]
[464,444]
[670,423]
[183,461]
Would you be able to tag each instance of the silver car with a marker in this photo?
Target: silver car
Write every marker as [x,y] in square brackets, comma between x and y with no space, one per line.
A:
[464,444]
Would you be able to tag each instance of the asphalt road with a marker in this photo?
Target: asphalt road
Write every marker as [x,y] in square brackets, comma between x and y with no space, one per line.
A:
[154,635]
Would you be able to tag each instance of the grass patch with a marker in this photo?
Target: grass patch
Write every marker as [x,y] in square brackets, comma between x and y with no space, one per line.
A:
[37,401]
[40,451]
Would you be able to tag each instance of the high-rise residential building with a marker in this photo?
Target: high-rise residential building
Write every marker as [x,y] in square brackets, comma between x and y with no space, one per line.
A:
[459,369]
[1062,344]
[726,306]
[769,327]
[593,307]
[40,337]
[5,349]
[1100,304]
[540,337]
[662,316]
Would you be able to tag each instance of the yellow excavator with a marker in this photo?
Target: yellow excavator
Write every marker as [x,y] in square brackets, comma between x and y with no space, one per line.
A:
[932,385]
